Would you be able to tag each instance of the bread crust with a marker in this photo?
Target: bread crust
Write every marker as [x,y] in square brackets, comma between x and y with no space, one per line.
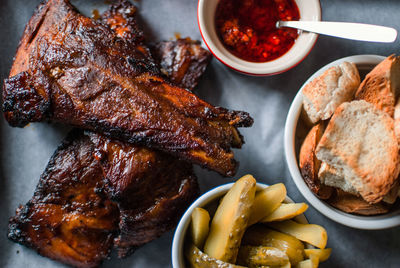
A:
[310,165]
[347,146]
[354,204]
[325,93]
[380,85]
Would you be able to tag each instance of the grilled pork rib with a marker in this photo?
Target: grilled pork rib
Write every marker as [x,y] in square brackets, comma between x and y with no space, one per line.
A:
[71,217]
[183,61]
[75,70]
[151,189]
[137,194]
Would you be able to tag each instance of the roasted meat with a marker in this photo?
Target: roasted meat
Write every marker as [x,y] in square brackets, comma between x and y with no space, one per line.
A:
[75,70]
[76,214]
[183,61]
[70,218]
[137,195]
[151,189]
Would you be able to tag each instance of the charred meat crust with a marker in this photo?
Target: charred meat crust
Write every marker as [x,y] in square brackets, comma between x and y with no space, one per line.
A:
[140,220]
[69,218]
[182,61]
[85,75]
[77,214]
[151,189]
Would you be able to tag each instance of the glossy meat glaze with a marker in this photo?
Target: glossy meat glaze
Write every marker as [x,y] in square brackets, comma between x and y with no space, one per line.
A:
[80,71]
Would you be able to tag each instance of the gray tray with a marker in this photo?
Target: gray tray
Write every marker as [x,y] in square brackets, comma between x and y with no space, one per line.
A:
[24,153]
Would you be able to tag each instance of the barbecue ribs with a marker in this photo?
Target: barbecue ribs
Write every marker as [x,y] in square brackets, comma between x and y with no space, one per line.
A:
[138,194]
[183,61]
[79,71]
[71,217]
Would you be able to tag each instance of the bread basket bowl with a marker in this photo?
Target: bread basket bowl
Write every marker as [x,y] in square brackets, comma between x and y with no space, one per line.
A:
[292,142]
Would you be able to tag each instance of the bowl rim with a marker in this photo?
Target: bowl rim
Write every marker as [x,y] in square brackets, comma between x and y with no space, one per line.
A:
[359,222]
[203,200]
[309,43]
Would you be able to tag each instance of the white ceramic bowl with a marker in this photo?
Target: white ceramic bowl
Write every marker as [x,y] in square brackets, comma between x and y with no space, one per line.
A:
[178,258]
[364,63]
[310,10]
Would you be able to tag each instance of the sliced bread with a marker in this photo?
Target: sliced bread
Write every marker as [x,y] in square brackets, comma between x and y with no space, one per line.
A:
[356,205]
[330,176]
[325,93]
[309,164]
[397,120]
[381,86]
[391,196]
[334,178]
[360,142]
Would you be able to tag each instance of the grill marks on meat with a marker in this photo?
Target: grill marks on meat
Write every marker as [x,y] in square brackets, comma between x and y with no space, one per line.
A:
[182,61]
[78,71]
[152,190]
[69,218]
[138,195]
[77,214]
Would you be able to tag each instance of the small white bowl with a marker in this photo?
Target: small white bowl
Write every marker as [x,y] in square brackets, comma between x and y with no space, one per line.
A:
[364,63]
[310,10]
[178,258]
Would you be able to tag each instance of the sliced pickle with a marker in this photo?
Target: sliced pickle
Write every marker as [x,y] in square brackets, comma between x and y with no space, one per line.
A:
[312,262]
[261,235]
[266,201]
[311,233]
[230,221]
[322,254]
[198,259]
[200,226]
[286,212]
[254,256]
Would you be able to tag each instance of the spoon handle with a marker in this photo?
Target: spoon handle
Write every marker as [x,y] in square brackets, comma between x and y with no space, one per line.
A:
[355,31]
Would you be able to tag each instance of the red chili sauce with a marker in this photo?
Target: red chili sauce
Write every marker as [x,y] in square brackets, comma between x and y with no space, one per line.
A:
[248,30]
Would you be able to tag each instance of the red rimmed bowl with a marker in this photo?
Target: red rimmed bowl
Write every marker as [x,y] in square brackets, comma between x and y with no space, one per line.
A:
[310,10]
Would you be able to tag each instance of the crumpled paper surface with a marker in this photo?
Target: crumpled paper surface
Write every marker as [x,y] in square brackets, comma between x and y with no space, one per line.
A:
[24,153]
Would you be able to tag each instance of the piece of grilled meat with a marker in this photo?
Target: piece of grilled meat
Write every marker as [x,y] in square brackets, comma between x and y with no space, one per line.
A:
[151,190]
[131,173]
[183,61]
[71,217]
[75,70]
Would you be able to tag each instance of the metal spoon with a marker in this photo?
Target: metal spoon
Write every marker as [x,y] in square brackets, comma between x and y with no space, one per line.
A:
[354,31]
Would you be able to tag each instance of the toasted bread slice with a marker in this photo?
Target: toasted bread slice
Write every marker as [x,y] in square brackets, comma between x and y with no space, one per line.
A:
[360,142]
[330,176]
[391,196]
[397,120]
[309,164]
[381,86]
[350,203]
[325,93]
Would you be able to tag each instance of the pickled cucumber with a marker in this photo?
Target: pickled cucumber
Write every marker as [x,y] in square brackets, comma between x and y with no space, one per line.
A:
[311,233]
[262,235]
[322,254]
[261,256]
[286,211]
[312,262]
[230,221]
[198,259]
[200,226]
[266,201]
